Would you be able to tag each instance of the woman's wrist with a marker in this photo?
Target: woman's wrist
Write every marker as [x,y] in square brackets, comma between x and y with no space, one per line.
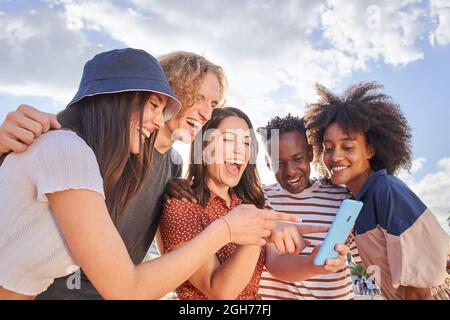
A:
[229,228]
[221,231]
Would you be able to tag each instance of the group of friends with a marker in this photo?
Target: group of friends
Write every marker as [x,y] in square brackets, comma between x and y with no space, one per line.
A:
[90,189]
[366,287]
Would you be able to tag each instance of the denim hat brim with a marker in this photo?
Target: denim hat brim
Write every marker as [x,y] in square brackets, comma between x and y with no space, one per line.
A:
[117,85]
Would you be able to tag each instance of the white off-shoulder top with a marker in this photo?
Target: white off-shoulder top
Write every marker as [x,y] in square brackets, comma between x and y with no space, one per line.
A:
[32,249]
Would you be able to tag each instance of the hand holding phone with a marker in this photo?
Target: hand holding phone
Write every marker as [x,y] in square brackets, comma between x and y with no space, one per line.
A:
[339,230]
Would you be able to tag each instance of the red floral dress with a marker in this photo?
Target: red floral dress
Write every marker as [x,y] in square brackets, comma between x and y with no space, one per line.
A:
[180,222]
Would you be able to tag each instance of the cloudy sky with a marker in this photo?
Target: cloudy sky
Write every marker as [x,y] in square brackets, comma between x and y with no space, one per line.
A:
[273,51]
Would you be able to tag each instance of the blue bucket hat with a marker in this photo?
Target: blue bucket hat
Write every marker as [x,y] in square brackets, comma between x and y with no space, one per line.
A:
[124,70]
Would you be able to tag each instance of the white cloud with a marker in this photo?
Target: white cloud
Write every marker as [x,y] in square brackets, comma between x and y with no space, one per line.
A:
[433,188]
[417,165]
[368,32]
[36,90]
[39,56]
[291,42]
[440,11]
[255,46]
[263,45]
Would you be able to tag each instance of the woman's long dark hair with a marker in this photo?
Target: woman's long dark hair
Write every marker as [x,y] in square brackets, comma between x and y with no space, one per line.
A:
[249,188]
[103,122]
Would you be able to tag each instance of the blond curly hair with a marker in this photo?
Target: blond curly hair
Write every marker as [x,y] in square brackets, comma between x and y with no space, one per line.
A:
[185,72]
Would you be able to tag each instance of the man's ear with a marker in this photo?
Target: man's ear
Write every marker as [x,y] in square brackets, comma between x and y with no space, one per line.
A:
[266,157]
[370,151]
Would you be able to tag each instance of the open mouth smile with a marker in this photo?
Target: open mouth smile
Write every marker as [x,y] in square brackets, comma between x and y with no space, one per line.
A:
[145,132]
[336,169]
[193,123]
[234,166]
[295,181]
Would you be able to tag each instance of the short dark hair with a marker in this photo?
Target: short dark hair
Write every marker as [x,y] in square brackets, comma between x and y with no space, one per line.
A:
[285,124]
[364,109]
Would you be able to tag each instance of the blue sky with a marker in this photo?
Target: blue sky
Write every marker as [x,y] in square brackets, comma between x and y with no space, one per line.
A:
[422,90]
[272,51]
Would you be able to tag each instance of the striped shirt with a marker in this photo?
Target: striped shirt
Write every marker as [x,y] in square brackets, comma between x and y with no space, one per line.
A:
[316,205]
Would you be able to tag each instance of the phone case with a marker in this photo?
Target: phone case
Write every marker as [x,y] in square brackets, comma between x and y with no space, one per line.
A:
[339,230]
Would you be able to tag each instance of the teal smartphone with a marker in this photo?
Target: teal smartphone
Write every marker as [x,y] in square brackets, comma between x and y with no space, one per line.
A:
[340,229]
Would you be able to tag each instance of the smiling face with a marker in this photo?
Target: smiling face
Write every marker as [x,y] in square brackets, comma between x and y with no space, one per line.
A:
[295,156]
[229,154]
[152,120]
[190,120]
[346,156]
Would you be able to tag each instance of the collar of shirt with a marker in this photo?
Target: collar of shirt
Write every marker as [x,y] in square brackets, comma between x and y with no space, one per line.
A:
[216,200]
[369,182]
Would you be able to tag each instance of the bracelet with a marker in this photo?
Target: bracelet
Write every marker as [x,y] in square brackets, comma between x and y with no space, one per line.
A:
[228,225]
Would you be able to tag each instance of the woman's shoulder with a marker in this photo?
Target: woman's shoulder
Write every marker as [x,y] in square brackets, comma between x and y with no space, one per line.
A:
[390,184]
[61,161]
[62,145]
[175,206]
[392,197]
[179,217]
[61,138]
